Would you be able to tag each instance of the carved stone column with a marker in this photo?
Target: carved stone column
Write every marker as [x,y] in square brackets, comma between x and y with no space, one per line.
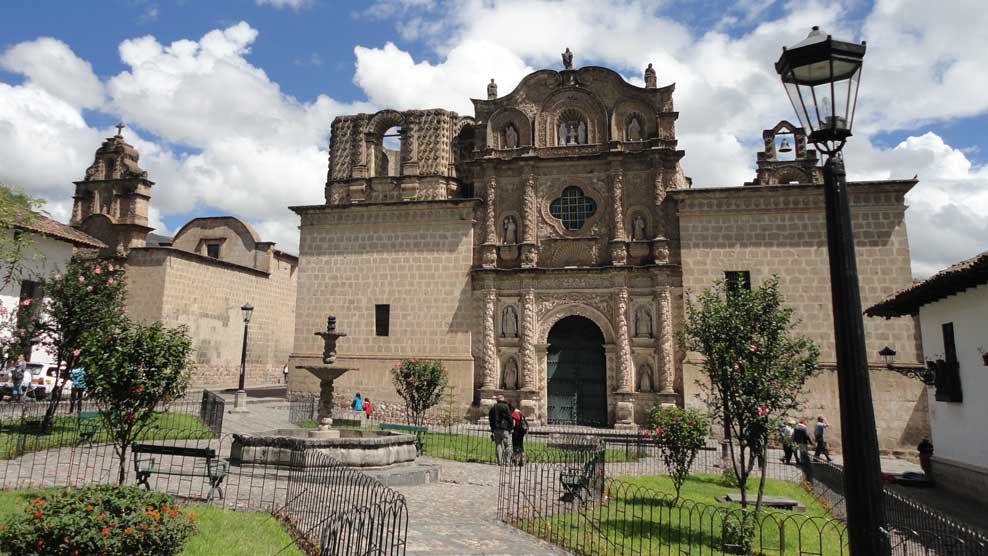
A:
[490,349]
[489,248]
[528,325]
[625,367]
[529,249]
[619,238]
[667,360]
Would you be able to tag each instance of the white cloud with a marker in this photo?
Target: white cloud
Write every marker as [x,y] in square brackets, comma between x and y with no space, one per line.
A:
[50,65]
[230,139]
[293,4]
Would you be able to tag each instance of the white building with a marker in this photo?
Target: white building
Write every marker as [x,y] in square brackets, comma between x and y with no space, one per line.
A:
[47,250]
[953,313]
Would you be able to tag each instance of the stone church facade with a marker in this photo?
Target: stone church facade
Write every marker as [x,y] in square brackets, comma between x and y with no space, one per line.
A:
[542,247]
[199,278]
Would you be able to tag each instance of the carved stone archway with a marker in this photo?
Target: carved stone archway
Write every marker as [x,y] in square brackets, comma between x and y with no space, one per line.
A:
[548,320]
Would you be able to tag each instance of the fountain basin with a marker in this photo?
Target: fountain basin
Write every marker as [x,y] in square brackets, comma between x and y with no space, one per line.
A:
[354,448]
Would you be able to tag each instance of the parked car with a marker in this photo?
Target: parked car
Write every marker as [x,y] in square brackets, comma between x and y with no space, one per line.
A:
[44,380]
[7,387]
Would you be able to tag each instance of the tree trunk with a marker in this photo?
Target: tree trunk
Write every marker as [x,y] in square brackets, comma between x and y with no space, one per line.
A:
[761,482]
[122,471]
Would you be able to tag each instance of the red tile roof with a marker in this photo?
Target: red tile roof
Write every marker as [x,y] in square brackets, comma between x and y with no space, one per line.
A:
[46,226]
[949,281]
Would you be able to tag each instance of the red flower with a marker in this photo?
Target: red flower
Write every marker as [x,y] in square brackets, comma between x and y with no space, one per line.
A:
[104,532]
[97,269]
[39,513]
[128,531]
[762,411]
[26,302]
[65,538]
[89,289]
[82,278]
[658,430]
[40,542]
[139,389]
[89,508]
[753,348]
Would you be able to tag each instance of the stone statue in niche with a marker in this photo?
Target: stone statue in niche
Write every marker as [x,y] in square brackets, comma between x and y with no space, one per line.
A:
[643,323]
[509,322]
[509,231]
[645,379]
[563,135]
[510,137]
[581,134]
[634,130]
[638,229]
[567,59]
[509,380]
[492,90]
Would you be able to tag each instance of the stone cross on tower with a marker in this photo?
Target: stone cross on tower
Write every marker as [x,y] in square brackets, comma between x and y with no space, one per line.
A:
[120,128]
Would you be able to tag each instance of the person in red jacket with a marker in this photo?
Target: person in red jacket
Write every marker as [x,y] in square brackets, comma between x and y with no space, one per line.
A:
[368,408]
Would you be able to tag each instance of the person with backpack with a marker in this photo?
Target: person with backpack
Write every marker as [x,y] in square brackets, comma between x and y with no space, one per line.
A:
[17,377]
[501,424]
[357,404]
[518,432]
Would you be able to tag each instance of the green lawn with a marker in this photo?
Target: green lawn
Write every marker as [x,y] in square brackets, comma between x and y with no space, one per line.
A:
[17,437]
[642,521]
[219,531]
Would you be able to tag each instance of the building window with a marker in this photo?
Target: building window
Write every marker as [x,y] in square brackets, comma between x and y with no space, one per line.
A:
[382,320]
[737,280]
[213,250]
[572,208]
[948,369]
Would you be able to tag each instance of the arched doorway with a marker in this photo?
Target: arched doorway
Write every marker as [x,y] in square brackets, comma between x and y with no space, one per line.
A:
[576,373]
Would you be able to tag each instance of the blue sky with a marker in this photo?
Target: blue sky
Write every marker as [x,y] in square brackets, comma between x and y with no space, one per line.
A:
[230,101]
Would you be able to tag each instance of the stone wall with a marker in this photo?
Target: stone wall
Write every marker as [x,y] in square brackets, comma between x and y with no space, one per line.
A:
[781,230]
[414,257]
[204,294]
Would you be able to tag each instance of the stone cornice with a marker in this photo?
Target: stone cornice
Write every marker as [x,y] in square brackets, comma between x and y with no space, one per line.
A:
[203,259]
[790,198]
[389,212]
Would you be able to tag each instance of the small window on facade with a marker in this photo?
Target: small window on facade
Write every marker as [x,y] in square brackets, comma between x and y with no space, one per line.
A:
[737,280]
[213,250]
[948,370]
[572,208]
[382,320]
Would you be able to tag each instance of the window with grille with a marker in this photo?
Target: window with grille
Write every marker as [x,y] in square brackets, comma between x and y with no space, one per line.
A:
[382,320]
[737,280]
[572,208]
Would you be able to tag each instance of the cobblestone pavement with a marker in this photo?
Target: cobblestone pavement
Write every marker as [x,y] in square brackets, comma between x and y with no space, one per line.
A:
[458,516]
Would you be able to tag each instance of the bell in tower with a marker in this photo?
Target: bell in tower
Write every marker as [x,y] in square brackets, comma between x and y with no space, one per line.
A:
[111,202]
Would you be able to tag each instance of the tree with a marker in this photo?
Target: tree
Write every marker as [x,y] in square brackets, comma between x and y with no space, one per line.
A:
[88,296]
[131,369]
[420,383]
[17,209]
[18,328]
[680,434]
[754,367]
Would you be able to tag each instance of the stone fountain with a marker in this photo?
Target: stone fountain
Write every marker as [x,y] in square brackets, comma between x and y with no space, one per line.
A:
[387,456]
[327,373]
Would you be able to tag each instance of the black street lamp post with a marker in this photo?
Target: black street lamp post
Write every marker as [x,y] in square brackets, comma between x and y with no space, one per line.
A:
[821,77]
[240,400]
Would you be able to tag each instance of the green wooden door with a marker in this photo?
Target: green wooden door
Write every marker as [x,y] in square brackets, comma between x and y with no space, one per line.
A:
[576,373]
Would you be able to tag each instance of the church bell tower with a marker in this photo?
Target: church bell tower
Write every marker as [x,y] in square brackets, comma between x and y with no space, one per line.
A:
[111,202]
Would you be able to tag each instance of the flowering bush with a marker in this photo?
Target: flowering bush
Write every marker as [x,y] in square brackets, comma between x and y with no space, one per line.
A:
[18,326]
[106,520]
[130,369]
[756,367]
[88,295]
[680,433]
[420,383]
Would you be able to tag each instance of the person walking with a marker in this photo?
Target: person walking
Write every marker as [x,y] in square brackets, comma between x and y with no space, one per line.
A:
[785,438]
[818,435]
[801,438]
[499,419]
[17,378]
[78,376]
[518,431]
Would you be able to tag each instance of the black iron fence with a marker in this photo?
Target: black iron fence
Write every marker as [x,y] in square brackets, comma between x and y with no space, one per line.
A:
[914,529]
[330,508]
[569,501]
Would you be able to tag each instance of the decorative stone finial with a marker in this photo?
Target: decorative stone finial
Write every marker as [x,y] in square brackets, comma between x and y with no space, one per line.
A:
[330,337]
[567,59]
[491,90]
[651,79]
[120,127]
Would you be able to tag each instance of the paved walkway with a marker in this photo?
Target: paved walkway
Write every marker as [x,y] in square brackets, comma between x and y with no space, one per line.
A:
[458,516]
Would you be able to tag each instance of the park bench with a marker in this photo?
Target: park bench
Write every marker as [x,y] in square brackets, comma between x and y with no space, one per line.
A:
[417,431]
[87,423]
[577,481]
[213,468]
